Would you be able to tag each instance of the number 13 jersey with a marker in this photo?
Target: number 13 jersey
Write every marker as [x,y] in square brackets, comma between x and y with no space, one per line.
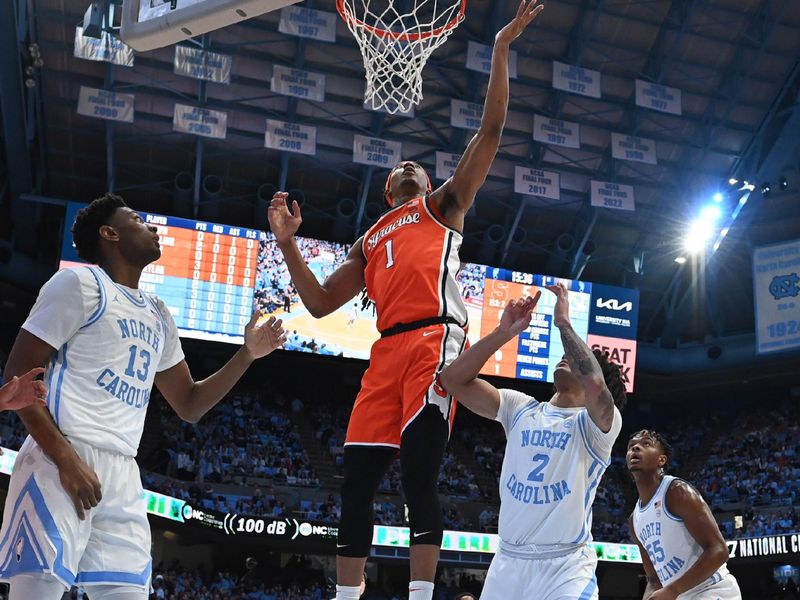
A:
[412,263]
[110,342]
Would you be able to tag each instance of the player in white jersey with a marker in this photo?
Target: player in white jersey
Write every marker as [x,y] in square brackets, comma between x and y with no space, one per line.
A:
[23,391]
[556,452]
[683,551]
[75,511]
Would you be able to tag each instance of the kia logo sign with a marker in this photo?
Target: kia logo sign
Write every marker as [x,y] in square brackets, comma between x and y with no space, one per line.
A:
[614,304]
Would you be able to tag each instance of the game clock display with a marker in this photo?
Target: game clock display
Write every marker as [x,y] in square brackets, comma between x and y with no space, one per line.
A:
[212,277]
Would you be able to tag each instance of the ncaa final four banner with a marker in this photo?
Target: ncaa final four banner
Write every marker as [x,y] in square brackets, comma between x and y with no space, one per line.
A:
[776,291]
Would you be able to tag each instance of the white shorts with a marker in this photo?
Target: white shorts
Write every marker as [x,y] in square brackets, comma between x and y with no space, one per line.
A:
[726,589]
[569,577]
[42,533]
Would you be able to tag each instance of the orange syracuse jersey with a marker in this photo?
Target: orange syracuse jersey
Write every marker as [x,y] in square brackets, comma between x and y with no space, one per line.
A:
[412,263]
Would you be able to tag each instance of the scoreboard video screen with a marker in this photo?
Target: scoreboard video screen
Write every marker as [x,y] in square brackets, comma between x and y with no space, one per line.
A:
[212,277]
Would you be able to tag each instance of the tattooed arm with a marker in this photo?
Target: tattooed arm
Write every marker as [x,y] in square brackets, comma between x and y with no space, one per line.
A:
[584,365]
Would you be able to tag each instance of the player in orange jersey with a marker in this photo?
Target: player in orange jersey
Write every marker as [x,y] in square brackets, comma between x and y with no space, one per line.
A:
[408,262]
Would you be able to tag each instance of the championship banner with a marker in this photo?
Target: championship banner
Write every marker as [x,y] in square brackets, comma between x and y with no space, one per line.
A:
[200,121]
[105,104]
[202,64]
[621,352]
[776,545]
[376,152]
[568,78]
[612,195]
[298,83]
[631,147]
[291,137]
[446,164]
[465,115]
[533,182]
[479,58]
[308,23]
[776,288]
[108,48]
[658,97]
[614,311]
[556,132]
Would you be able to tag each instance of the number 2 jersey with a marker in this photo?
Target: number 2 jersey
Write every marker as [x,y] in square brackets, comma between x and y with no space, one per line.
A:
[110,342]
[412,263]
[554,460]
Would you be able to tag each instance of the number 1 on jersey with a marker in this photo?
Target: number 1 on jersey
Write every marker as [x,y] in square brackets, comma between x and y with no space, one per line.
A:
[389,255]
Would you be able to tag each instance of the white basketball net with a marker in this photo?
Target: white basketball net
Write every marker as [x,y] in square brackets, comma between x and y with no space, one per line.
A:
[395,46]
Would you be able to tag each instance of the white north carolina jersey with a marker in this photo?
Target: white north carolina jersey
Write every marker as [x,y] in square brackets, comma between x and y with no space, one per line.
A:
[668,543]
[110,342]
[553,463]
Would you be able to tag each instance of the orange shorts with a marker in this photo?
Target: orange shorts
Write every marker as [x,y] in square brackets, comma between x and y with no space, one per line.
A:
[401,380]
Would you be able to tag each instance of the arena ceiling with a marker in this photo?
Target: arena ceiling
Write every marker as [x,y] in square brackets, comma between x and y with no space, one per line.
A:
[735,62]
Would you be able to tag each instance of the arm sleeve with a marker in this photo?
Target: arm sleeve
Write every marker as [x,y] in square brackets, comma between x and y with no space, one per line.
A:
[68,301]
[597,441]
[173,352]
[512,403]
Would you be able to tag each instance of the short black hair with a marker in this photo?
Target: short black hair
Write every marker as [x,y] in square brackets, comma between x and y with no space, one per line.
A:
[86,229]
[612,375]
[666,449]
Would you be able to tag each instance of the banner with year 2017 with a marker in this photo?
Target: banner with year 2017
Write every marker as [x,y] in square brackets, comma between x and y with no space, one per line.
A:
[202,64]
[658,97]
[200,121]
[376,152]
[308,23]
[533,182]
[612,195]
[577,80]
[105,104]
[556,132]
[776,290]
[298,83]
[291,137]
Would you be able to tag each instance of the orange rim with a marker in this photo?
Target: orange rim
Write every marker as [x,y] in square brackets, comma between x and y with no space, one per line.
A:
[348,17]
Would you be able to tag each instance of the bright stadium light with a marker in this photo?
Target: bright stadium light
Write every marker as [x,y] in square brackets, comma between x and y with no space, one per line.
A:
[718,197]
[680,260]
[699,233]
[711,213]
[733,181]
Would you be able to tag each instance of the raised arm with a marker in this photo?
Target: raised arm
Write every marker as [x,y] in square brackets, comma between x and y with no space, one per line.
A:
[460,378]
[456,196]
[599,401]
[653,583]
[342,285]
[190,399]
[686,503]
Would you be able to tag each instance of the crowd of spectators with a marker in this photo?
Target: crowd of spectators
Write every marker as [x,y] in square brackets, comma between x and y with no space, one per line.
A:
[244,438]
[470,281]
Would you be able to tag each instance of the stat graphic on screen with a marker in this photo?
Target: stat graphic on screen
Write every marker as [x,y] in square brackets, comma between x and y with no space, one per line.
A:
[212,277]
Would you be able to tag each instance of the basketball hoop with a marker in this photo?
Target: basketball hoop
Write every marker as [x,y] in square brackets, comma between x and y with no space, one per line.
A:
[395,46]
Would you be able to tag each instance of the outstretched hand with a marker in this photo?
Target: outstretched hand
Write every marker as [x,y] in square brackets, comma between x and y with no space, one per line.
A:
[526,13]
[260,340]
[561,310]
[283,222]
[516,316]
[23,391]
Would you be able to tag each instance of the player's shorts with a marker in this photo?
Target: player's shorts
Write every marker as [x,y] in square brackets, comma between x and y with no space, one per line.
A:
[726,588]
[401,380]
[42,533]
[564,577]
